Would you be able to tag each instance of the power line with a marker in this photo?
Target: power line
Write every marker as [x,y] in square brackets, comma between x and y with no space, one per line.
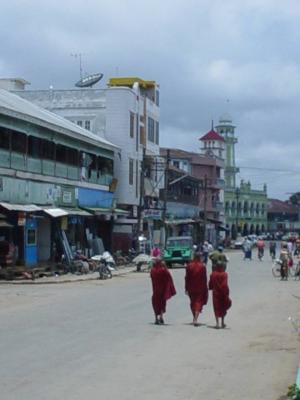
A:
[271,169]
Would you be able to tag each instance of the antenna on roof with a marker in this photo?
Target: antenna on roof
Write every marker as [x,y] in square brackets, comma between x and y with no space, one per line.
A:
[212,124]
[79,56]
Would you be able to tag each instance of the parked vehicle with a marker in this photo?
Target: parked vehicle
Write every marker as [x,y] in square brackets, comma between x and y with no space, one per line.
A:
[238,244]
[104,266]
[178,250]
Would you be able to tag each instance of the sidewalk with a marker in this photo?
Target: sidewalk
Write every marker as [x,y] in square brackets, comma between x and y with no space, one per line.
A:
[69,278]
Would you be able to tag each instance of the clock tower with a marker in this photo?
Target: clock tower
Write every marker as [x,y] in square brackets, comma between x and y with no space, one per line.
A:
[213,144]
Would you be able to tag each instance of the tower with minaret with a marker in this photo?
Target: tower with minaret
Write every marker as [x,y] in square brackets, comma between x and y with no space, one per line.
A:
[226,129]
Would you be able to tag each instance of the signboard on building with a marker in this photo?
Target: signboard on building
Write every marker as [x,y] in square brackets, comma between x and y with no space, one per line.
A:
[21,219]
[67,197]
[134,211]
[153,213]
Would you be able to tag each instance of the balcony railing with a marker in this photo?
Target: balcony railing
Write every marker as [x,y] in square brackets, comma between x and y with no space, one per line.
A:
[183,198]
[45,167]
[218,205]
[217,183]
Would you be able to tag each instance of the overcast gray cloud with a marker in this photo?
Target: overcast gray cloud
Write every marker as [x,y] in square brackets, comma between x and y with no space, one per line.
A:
[201,52]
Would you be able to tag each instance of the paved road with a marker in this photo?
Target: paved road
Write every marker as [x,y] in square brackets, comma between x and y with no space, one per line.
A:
[97,340]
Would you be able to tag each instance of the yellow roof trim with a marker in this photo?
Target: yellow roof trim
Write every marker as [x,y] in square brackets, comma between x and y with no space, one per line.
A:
[129,81]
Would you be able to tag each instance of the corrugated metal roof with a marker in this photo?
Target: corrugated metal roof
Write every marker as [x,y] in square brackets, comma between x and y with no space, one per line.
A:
[55,212]
[22,109]
[212,135]
[20,207]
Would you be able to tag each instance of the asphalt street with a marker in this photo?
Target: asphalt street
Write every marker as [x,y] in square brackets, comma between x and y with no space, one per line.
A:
[97,339]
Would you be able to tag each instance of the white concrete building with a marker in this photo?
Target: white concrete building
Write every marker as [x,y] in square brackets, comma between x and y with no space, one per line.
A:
[125,113]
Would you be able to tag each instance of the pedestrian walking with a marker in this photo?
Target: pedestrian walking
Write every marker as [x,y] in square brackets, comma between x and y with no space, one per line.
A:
[290,247]
[247,248]
[205,248]
[218,258]
[272,247]
[156,252]
[163,289]
[218,283]
[196,286]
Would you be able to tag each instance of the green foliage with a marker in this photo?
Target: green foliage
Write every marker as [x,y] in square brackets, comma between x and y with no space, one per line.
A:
[294,392]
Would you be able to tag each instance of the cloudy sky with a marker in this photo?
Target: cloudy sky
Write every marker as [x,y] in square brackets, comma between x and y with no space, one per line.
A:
[209,57]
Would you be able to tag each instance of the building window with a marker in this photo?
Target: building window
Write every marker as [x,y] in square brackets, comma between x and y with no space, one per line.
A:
[87,125]
[130,172]
[4,138]
[151,133]
[34,147]
[48,150]
[131,124]
[79,123]
[72,157]
[105,166]
[31,239]
[61,154]
[156,132]
[176,164]
[137,179]
[18,142]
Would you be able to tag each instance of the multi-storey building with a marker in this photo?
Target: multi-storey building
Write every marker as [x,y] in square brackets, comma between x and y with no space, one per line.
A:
[283,216]
[245,208]
[126,113]
[207,169]
[56,182]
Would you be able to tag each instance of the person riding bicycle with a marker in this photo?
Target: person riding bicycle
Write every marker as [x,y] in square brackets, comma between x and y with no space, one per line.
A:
[284,258]
[260,244]
[272,248]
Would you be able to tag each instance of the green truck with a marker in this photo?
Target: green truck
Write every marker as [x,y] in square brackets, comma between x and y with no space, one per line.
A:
[178,250]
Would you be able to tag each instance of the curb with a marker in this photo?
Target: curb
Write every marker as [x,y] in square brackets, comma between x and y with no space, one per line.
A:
[57,282]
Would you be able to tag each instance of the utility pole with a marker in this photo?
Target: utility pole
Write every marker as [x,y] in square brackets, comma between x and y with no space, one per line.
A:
[237,196]
[165,198]
[141,193]
[205,206]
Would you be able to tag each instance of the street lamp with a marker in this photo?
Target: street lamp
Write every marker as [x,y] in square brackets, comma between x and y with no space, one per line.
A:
[237,196]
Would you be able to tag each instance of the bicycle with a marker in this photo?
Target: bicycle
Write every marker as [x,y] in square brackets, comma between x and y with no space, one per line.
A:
[297,271]
[276,269]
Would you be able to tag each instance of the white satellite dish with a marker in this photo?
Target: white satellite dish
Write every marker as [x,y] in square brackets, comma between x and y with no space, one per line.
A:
[89,80]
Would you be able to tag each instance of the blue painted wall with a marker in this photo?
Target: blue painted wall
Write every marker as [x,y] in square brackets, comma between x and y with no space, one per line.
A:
[94,198]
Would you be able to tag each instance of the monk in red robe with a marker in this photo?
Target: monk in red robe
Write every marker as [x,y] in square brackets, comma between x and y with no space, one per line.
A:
[163,289]
[196,286]
[218,283]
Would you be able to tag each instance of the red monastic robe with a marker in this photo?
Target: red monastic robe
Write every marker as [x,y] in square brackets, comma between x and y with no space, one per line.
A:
[196,285]
[163,287]
[218,283]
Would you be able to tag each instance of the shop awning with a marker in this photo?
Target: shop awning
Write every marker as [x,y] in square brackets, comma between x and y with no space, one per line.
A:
[63,212]
[222,228]
[5,224]
[55,212]
[77,211]
[214,221]
[180,221]
[106,211]
[20,207]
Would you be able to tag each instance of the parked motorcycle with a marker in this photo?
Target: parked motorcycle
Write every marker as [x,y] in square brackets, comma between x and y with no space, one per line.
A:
[105,265]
